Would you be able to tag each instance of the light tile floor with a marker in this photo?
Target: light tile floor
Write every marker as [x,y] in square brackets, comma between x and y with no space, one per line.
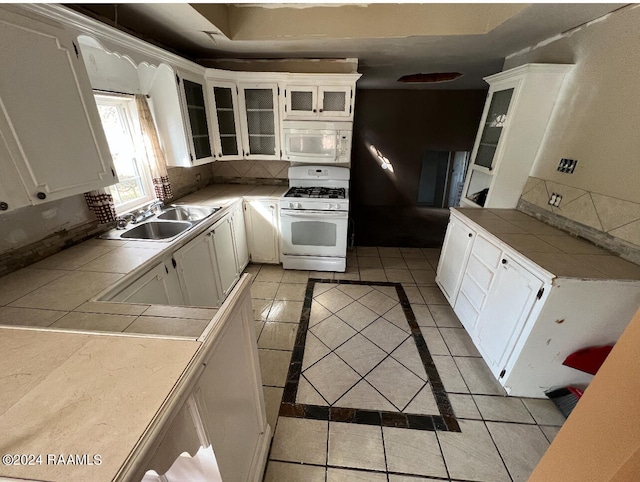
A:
[501,438]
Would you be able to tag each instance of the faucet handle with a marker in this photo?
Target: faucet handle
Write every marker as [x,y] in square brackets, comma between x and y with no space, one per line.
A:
[122,221]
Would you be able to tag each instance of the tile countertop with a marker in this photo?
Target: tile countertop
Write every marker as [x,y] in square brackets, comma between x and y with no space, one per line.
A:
[554,250]
[61,380]
[59,291]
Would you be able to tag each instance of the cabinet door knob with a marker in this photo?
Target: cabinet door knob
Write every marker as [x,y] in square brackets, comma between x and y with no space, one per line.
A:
[314,110]
[41,195]
[504,261]
[320,110]
[471,235]
[3,206]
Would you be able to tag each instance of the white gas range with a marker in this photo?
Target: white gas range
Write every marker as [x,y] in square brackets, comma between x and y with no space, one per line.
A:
[314,215]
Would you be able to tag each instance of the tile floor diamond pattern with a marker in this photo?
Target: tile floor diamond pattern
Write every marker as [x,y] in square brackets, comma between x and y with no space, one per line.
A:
[337,420]
[344,362]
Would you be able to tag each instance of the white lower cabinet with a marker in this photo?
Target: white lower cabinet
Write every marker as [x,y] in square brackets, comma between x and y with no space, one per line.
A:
[224,252]
[262,221]
[455,252]
[218,415]
[505,312]
[240,244]
[523,319]
[198,272]
[160,286]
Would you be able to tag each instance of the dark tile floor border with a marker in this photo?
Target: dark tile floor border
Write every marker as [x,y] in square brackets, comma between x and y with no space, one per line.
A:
[445,421]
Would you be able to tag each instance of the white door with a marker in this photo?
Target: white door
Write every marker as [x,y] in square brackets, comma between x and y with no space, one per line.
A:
[197,272]
[49,119]
[506,310]
[262,231]
[335,101]
[260,121]
[453,259]
[240,239]
[222,235]
[160,286]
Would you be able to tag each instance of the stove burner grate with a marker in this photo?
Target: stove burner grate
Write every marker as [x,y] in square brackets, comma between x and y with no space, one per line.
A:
[317,192]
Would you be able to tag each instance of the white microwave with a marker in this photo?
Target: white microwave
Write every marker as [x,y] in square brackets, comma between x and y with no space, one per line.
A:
[317,142]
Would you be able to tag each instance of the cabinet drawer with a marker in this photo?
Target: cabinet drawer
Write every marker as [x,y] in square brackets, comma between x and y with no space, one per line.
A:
[480,273]
[474,293]
[487,252]
[466,312]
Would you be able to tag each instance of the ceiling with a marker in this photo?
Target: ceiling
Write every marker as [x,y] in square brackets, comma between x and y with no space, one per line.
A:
[388,40]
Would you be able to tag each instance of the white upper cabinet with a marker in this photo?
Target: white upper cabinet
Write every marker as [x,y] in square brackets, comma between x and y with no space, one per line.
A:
[195,111]
[318,102]
[259,114]
[226,121]
[50,130]
[519,106]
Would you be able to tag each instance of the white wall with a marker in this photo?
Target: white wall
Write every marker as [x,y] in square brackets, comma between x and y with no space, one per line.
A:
[597,122]
[597,118]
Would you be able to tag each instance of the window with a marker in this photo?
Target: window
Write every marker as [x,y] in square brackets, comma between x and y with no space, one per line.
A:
[120,123]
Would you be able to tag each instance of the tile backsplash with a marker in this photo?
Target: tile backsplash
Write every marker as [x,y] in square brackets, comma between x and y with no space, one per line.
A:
[185,180]
[604,220]
[225,170]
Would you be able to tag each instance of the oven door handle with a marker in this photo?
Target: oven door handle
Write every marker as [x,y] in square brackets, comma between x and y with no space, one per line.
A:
[315,214]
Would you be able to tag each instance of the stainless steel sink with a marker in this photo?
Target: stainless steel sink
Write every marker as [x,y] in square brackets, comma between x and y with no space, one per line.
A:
[156,230]
[187,213]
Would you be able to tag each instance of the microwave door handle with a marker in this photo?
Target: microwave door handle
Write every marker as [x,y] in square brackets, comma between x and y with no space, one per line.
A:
[316,214]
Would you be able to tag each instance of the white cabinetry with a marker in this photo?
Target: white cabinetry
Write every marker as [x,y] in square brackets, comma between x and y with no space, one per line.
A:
[227,139]
[230,248]
[331,102]
[198,272]
[218,405]
[259,115]
[240,244]
[50,131]
[160,286]
[262,221]
[195,111]
[519,105]
[222,235]
[455,251]
[523,319]
[502,318]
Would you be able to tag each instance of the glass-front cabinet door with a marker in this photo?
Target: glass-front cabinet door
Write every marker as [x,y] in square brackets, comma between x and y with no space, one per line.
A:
[301,101]
[335,101]
[493,125]
[225,100]
[196,120]
[259,107]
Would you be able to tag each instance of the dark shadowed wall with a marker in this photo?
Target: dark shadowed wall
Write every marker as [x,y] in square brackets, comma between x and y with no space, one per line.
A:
[402,125]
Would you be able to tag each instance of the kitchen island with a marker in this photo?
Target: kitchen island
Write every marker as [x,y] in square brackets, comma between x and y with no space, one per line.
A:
[134,384]
[529,295]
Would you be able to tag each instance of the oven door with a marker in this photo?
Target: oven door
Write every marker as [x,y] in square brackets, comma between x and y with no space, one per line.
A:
[316,146]
[314,233]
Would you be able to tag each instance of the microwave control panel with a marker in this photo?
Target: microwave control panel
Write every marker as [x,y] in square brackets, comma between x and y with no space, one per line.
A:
[344,143]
